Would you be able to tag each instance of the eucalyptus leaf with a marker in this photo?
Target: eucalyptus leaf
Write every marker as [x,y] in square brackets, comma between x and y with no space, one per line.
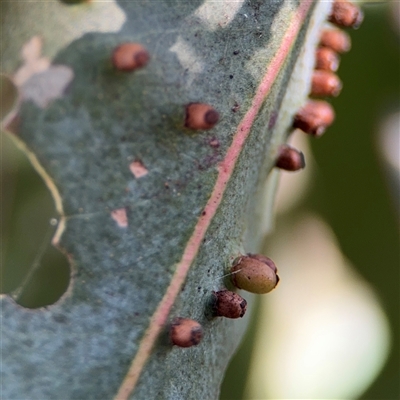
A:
[148,247]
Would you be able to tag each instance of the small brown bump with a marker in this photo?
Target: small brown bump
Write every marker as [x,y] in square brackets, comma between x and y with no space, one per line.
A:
[290,159]
[336,39]
[185,332]
[235,107]
[228,304]
[326,59]
[314,117]
[346,14]
[256,274]
[130,56]
[200,116]
[325,83]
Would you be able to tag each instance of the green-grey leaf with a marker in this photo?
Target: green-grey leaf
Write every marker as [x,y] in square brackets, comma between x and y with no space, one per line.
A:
[196,209]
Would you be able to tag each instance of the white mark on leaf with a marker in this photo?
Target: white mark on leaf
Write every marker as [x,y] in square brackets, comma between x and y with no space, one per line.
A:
[49,85]
[37,79]
[218,14]
[34,63]
[188,58]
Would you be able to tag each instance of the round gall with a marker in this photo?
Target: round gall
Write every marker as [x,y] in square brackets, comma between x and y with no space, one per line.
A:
[254,275]
[185,332]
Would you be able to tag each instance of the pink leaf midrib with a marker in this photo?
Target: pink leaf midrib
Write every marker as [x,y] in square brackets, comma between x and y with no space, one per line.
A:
[225,170]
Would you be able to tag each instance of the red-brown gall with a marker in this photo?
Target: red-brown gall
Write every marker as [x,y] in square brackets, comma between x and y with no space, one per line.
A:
[335,39]
[290,159]
[326,59]
[254,274]
[185,332]
[228,304]
[200,116]
[346,14]
[130,56]
[325,83]
[314,117]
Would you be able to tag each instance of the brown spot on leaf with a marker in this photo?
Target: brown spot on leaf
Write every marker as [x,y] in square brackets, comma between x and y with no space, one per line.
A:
[235,107]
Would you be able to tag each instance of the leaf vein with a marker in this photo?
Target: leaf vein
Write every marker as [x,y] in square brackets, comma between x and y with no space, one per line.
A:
[225,170]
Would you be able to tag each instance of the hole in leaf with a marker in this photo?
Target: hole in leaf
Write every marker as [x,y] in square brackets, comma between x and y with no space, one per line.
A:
[33,272]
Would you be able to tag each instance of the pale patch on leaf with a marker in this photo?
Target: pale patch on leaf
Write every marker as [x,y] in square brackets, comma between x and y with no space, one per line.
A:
[47,86]
[93,16]
[109,17]
[37,79]
[120,217]
[138,169]
[218,14]
[188,58]
[34,63]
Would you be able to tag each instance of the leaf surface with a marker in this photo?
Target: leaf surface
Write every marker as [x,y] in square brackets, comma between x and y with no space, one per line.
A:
[146,247]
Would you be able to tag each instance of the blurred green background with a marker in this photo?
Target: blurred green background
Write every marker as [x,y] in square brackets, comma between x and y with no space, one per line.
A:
[350,191]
